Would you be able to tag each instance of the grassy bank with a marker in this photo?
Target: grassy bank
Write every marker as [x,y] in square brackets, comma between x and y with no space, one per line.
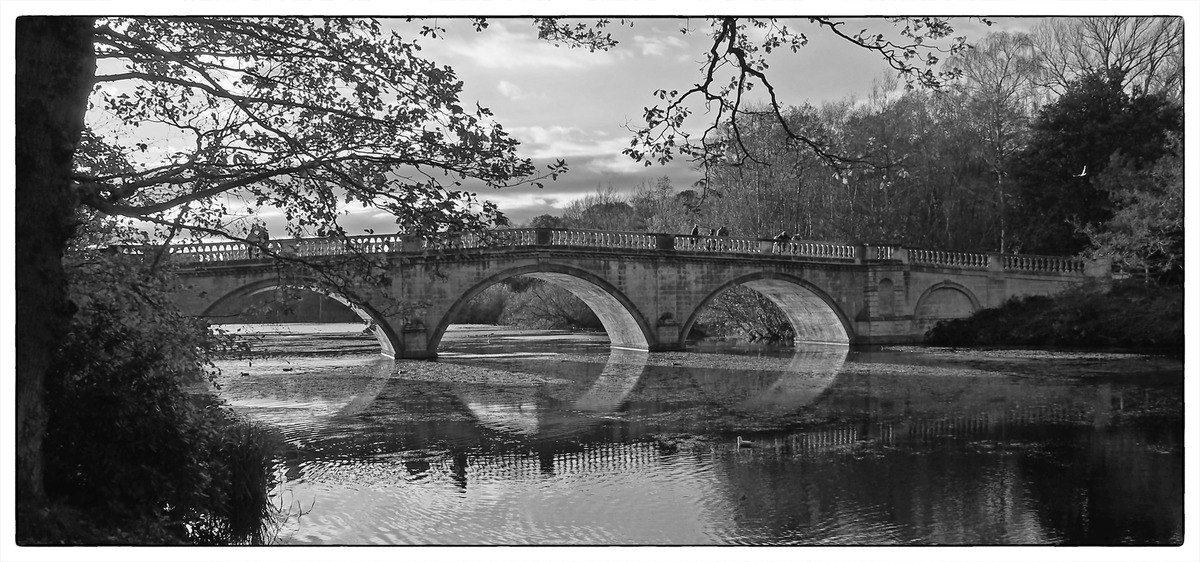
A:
[1126,315]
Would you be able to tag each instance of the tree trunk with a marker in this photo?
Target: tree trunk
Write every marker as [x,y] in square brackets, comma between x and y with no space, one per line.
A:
[55,64]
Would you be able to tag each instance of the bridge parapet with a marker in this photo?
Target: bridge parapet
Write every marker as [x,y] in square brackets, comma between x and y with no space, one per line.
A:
[963,260]
[544,237]
[1051,264]
[881,252]
[603,239]
[825,250]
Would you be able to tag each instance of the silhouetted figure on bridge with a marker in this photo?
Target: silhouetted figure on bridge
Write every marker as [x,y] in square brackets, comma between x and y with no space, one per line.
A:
[695,236]
[257,237]
[796,243]
[723,233]
[711,243]
[781,242]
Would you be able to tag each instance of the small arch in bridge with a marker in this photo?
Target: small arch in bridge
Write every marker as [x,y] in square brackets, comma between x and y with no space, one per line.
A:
[388,342]
[944,301]
[886,294]
[622,322]
[814,316]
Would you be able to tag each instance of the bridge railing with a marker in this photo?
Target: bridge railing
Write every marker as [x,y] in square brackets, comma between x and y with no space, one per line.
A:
[526,237]
[823,250]
[965,260]
[1055,264]
[603,239]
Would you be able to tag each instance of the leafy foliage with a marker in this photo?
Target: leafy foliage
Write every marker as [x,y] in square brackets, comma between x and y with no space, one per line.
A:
[744,312]
[1145,234]
[603,210]
[302,114]
[546,306]
[127,443]
[1071,143]
[1084,317]
[546,221]
[485,308]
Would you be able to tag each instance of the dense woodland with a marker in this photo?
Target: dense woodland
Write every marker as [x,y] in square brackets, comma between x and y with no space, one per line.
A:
[1063,141]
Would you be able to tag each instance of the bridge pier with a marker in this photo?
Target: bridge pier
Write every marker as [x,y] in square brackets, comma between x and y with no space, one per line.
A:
[668,335]
[414,344]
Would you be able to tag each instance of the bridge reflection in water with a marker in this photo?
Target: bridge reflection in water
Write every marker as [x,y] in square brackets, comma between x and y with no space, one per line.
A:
[605,407]
[845,451]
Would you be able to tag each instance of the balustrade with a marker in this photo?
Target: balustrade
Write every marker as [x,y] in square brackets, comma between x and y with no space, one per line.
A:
[822,250]
[1047,264]
[969,260]
[602,239]
[215,252]
[527,237]
[723,244]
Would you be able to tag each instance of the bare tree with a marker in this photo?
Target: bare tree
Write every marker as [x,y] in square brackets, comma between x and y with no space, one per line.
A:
[1147,50]
[998,98]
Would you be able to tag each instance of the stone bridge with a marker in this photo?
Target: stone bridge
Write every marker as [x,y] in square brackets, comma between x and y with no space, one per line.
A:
[647,289]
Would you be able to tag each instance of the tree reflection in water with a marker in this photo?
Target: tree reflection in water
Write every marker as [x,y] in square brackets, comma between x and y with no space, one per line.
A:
[625,447]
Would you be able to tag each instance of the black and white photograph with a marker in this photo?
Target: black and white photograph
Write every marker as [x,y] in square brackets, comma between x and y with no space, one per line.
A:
[855,279]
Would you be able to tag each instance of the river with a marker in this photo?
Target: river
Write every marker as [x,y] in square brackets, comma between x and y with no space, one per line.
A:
[551,438]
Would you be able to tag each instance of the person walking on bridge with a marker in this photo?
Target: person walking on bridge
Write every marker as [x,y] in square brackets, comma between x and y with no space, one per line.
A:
[781,242]
[796,240]
[257,237]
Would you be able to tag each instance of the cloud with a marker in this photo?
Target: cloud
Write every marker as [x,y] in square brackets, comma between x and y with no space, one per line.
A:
[563,142]
[596,151]
[659,46]
[500,48]
[515,92]
[522,205]
[615,164]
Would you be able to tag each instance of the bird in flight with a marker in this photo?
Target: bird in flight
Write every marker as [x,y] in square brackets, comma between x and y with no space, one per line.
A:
[1083,173]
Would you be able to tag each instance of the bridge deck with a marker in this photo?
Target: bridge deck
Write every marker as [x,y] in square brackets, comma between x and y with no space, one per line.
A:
[637,241]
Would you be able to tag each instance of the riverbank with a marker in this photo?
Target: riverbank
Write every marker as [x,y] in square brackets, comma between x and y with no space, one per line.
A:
[1128,315]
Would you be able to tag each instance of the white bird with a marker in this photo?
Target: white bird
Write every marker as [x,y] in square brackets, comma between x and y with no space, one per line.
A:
[744,442]
[1083,173]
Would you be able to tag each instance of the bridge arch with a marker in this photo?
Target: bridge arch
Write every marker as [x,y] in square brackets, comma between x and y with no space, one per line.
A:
[622,320]
[388,341]
[815,317]
[942,301]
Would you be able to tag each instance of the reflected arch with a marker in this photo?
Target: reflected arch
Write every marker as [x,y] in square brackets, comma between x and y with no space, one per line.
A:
[388,341]
[814,316]
[525,415]
[621,319]
[808,375]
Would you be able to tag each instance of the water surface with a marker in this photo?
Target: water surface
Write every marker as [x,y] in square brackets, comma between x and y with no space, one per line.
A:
[552,438]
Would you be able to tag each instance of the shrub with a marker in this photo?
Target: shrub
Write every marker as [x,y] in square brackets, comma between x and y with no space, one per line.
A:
[1129,315]
[131,446]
